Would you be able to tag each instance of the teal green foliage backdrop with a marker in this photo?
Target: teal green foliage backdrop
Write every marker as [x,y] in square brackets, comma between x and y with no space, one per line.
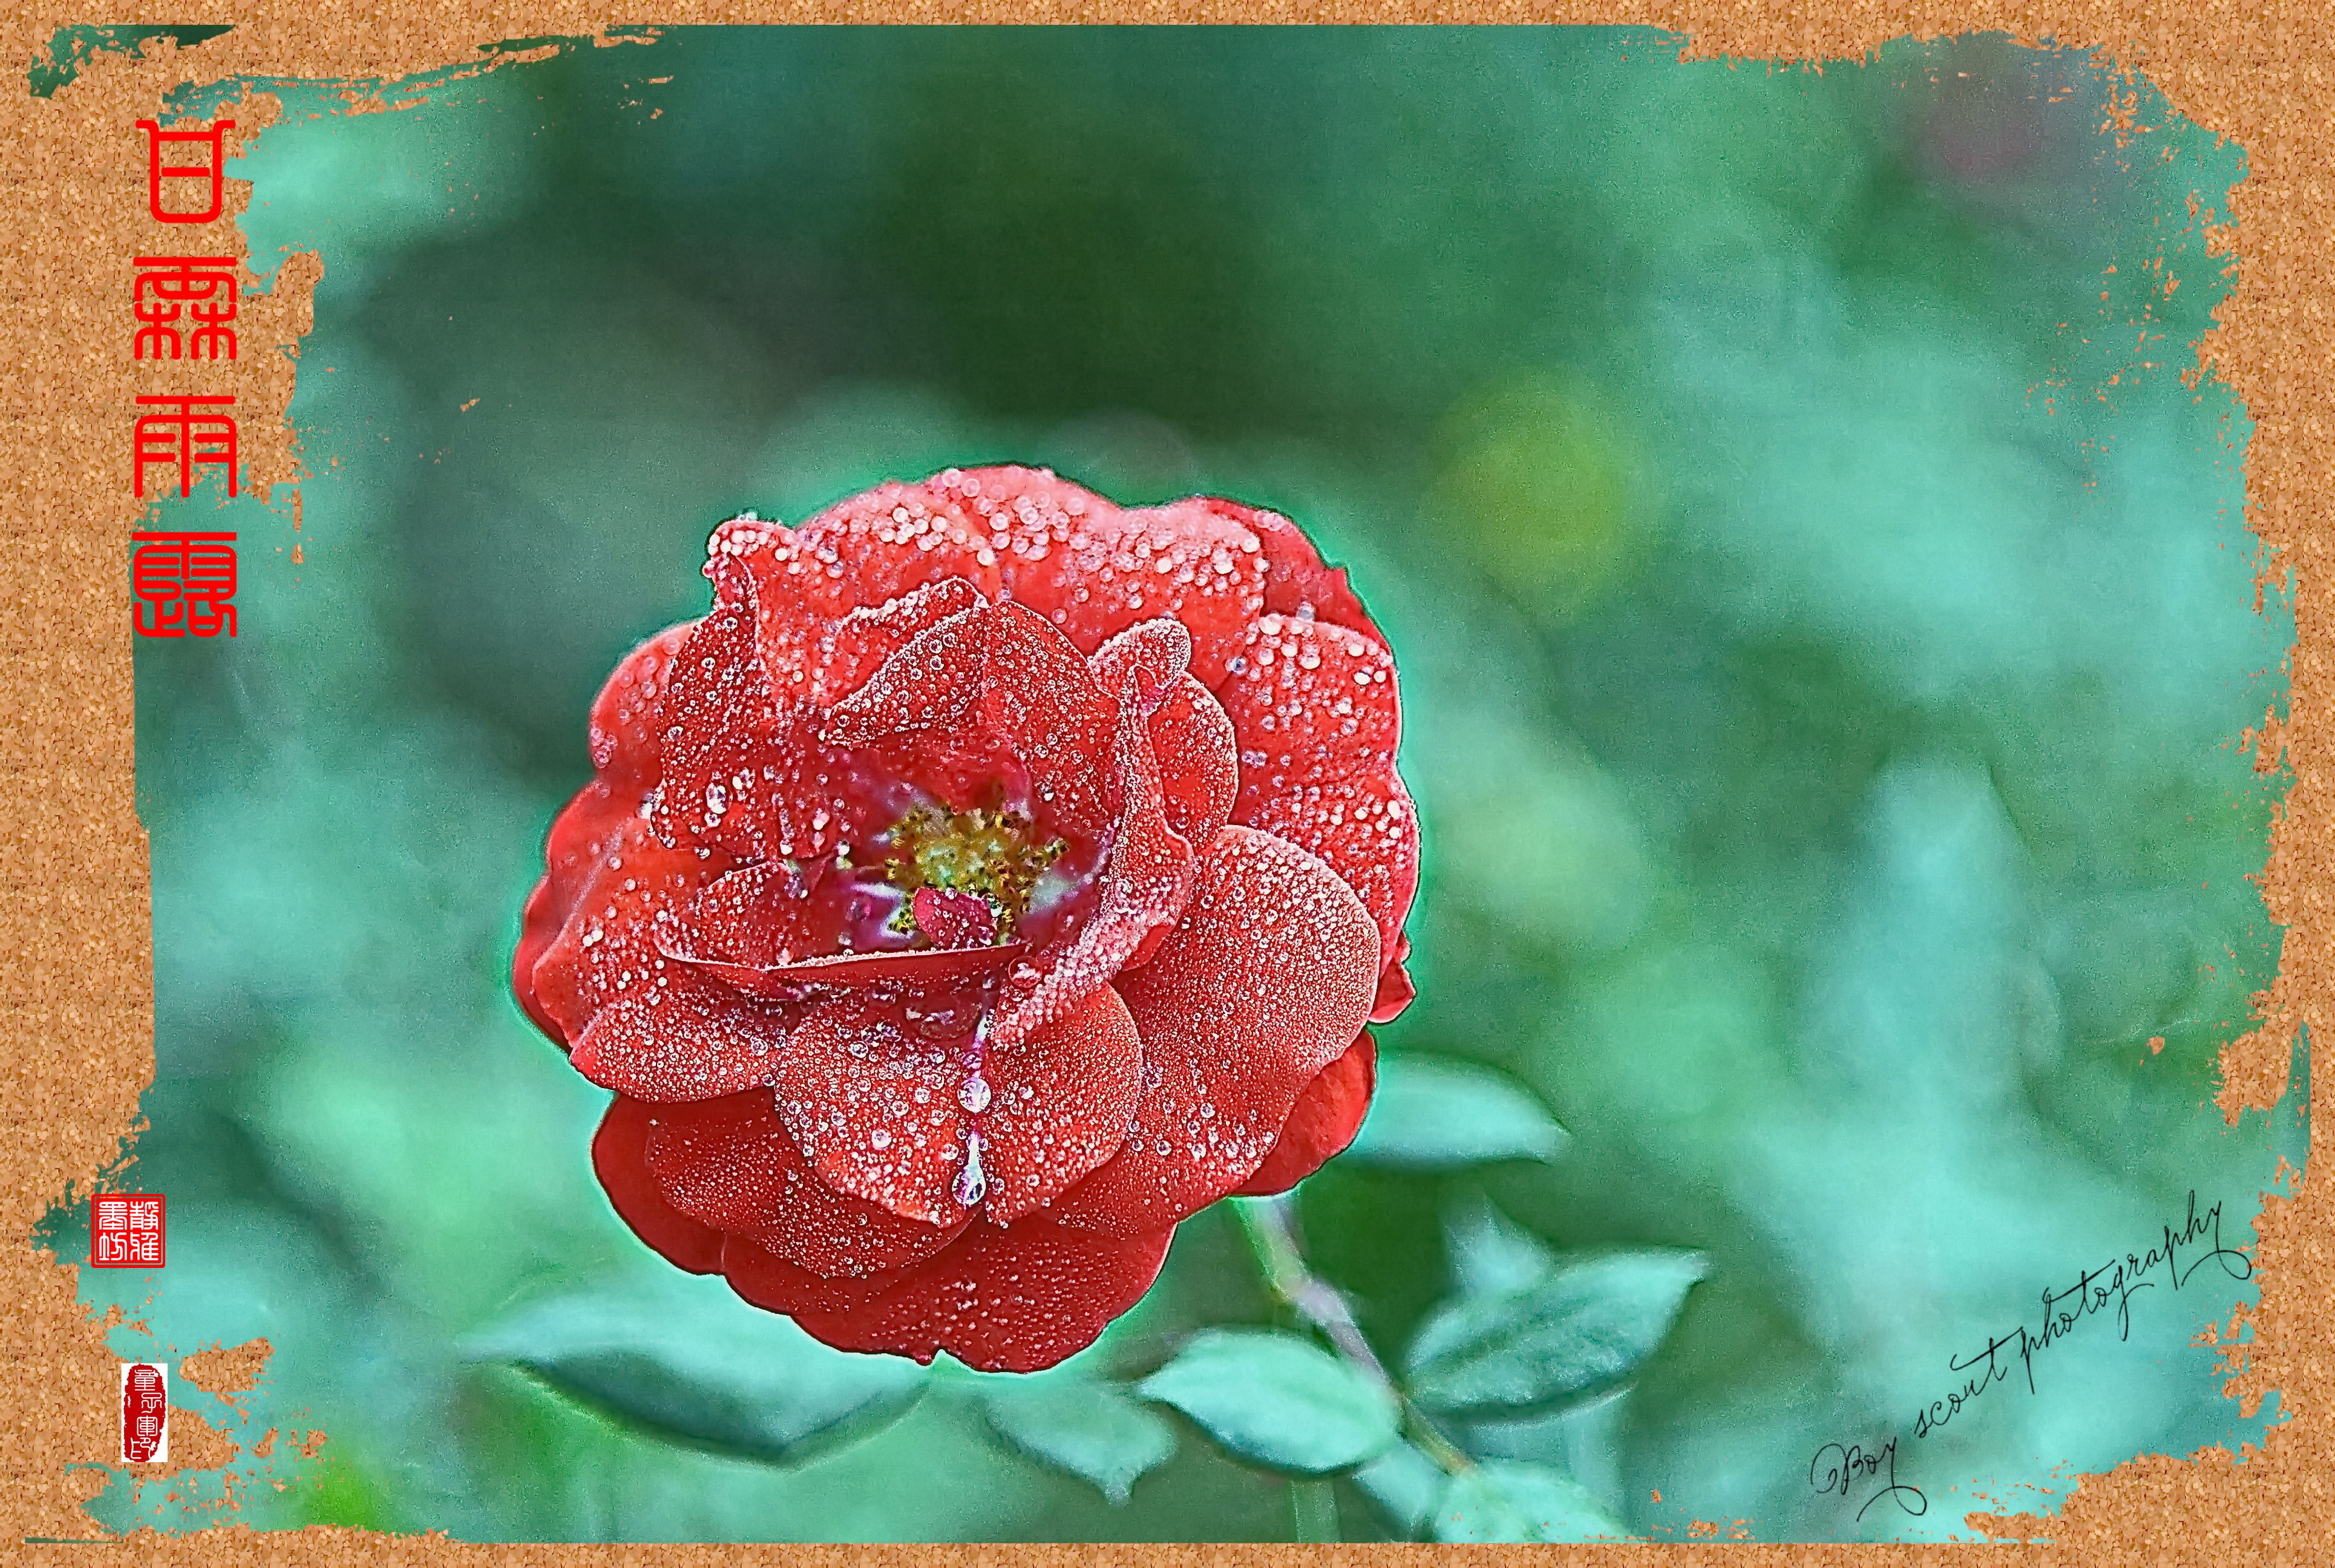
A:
[1826,626]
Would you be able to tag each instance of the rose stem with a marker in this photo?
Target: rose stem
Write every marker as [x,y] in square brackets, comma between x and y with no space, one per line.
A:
[1315,1502]
[1270,1227]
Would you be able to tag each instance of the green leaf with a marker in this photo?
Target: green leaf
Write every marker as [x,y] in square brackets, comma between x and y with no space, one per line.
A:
[1433,1113]
[1501,1500]
[1491,1254]
[1575,1333]
[1277,1400]
[1094,1430]
[702,1368]
[1404,1482]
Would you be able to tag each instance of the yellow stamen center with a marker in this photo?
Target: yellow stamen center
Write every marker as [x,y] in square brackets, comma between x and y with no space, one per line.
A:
[993,853]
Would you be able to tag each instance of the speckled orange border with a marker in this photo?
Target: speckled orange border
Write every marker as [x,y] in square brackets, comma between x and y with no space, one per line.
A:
[76,1020]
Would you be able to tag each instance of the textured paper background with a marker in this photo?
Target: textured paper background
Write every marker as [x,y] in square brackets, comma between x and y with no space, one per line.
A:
[77,1004]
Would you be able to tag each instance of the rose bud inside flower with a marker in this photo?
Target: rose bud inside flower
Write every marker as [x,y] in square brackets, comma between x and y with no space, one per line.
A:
[993,878]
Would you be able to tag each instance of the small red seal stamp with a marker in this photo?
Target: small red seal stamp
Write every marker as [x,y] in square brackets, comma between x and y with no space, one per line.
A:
[125,1231]
[145,1413]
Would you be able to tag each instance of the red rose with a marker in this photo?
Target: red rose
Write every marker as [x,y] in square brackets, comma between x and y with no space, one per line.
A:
[993,879]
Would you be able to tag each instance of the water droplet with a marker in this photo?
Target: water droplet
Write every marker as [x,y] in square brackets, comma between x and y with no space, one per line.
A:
[879,1139]
[974,1093]
[971,1183]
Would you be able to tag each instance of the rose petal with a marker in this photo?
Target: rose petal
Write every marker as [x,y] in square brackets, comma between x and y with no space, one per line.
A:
[1026,516]
[623,731]
[580,835]
[897,538]
[583,832]
[1296,582]
[685,1040]
[763,1279]
[1322,1122]
[1310,702]
[963,768]
[950,919]
[619,1159]
[984,683]
[1063,1101]
[1180,560]
[1395,991]
[798,597]
[743,772]
[610,946]
[868,636]
[732,1165]
[1265,981]
[818,797]
[539,921]
[1041,698]
[930,682]
[1199,775]
[1367,831]
[1093,569]
[919,966]
[757,914]
[865,551]
[717,723]
[1003,1301]
[1152,654]
[1146,881]
[879,1107]
[763,984]
[873,1104]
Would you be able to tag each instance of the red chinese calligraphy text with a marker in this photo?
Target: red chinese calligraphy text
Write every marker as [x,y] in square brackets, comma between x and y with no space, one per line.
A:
[180,433]
[184,584]
[199,290]
[209,171]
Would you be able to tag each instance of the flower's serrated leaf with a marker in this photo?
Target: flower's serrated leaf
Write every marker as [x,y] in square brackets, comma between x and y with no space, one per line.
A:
[1432,1113]
[1277,1400]
[706,1371]
[1572,1335]
[1404,1482]
[1491,1254]
[1504,1501]
[1092,1429]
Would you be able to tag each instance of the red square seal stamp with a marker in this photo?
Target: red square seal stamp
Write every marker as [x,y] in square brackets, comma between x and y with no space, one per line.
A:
[145,1413]
[125,1231]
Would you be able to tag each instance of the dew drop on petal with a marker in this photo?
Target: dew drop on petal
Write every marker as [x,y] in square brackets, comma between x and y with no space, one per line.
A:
[972,1185]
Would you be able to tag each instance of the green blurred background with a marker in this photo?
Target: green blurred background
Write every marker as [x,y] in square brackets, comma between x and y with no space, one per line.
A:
[1825,620]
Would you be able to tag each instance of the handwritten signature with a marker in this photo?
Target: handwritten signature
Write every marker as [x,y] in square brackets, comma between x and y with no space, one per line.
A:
[1841,1466]
[1846,1465]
